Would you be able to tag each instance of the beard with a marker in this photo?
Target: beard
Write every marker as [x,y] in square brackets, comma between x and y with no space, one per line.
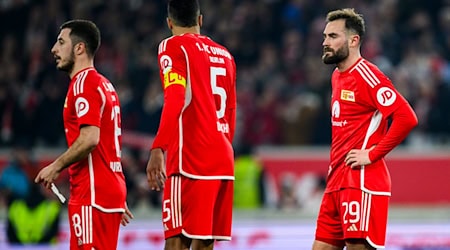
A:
[68,65]
[336,56]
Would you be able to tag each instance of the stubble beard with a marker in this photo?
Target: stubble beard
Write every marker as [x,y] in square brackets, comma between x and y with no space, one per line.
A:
[68,66]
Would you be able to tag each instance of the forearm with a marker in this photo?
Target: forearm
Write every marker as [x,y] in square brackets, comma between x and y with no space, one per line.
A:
[403,121]
[80,149]
[173,105]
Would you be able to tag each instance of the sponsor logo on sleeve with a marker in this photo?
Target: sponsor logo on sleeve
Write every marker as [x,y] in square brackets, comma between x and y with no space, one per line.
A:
[165,63]
[81,106]
[347,95]
[386,96]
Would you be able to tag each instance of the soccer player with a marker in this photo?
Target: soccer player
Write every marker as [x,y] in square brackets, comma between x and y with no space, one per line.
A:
[92,122]
[354,208]
[196,130]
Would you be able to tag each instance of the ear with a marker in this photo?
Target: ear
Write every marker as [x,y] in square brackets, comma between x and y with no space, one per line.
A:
[200,20]
[79,48]
[354,41]
[169,23]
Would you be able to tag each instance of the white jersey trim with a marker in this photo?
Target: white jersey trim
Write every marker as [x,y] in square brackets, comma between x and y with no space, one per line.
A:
[92,190]
[373,244]
[366,73]
[103,96]
[86,224]
[78,86]
[366,202]
[373,126]
[205,237]
[175,201]
[187,101]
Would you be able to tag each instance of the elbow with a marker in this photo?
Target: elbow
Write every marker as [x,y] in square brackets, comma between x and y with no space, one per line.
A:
[413,121]
[92,143]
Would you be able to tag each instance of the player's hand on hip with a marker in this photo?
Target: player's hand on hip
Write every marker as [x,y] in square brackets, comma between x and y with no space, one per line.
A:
[47,175]
[156,174]
[357,157]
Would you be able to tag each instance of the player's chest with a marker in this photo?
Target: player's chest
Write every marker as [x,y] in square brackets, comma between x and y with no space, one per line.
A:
[348,97]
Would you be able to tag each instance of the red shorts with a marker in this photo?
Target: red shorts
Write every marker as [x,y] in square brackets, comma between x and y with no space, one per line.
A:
[91,228]
[198,209]
[352,214]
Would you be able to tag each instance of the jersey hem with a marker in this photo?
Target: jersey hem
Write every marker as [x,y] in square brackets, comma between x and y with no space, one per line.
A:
[205,237]
[108,210]
[373,244]
[203,177]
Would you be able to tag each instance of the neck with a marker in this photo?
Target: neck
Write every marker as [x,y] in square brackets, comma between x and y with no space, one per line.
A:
[80,65]
[347,63]
[183,30]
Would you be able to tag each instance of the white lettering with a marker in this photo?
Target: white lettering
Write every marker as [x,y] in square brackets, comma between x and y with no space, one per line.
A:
[339,123]
[115,166]
[213,50]
[223,127]
[215,59]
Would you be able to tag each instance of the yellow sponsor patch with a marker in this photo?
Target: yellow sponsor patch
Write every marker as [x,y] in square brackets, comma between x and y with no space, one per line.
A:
[347,95]
[173,78]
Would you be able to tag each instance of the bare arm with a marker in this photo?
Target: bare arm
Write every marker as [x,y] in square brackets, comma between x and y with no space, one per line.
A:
[80,149]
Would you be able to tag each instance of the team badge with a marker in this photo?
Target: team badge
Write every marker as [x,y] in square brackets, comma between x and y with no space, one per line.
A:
[347,95]
[386,96]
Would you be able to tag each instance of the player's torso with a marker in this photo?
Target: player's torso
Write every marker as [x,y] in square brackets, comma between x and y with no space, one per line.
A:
[350,115]
[92,100]
[356,124]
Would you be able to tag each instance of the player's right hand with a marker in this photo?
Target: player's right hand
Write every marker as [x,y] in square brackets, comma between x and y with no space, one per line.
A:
[47,175]
[156,174]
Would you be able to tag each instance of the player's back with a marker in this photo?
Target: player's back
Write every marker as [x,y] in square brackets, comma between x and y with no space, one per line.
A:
[206,123]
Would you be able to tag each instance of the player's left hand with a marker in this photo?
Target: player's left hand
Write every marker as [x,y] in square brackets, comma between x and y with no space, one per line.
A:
[358,157]
[126,216]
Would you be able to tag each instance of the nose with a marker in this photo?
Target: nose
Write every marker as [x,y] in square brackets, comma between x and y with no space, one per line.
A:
[53,50]
[324,42]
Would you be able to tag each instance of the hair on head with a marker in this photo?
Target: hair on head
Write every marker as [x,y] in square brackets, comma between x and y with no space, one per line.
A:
[84,31]
[184,13]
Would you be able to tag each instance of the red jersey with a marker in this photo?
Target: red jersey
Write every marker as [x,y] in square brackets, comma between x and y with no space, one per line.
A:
[97,180]
[198,118]
[362,100]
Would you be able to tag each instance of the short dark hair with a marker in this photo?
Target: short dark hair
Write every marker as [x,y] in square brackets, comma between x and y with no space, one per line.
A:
[84,31]
[354,22]
[183,13]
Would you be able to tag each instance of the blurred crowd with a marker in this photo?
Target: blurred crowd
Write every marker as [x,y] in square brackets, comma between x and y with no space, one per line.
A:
[282,85]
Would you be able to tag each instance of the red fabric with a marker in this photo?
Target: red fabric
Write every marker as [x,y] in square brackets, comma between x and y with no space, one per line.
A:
[209,218]
[352,214]
[363,100]
[198,120]
[403,121]
[97,180]
[90,228]
[173,104]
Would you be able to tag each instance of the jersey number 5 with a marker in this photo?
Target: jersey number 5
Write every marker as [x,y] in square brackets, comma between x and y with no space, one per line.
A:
[217,71]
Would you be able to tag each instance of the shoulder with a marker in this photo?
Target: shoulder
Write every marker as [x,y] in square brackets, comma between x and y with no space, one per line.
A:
[171,44]
[86,80]
[368,73]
